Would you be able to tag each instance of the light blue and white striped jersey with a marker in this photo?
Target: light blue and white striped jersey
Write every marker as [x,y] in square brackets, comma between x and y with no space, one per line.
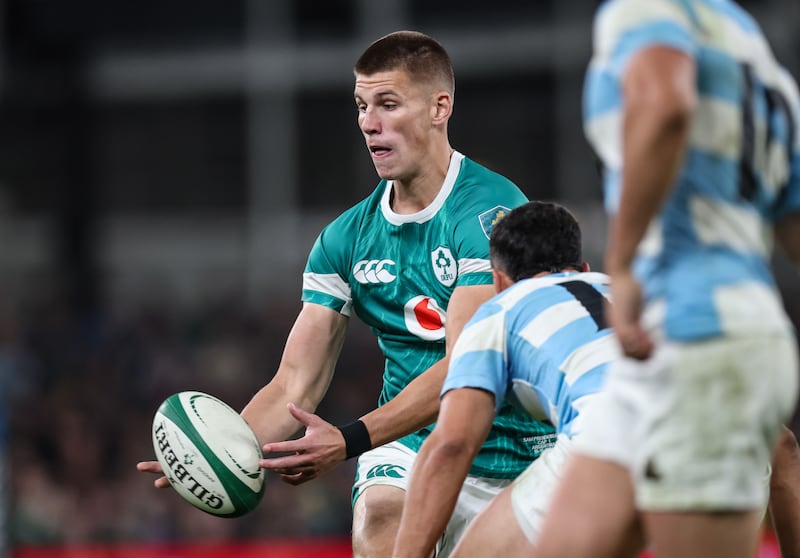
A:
[542,344]
[705,261]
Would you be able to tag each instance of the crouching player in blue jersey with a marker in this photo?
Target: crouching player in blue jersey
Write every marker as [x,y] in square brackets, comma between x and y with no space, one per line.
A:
[542,343]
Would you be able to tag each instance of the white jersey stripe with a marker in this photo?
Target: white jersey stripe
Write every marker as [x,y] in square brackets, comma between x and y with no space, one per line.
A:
[330,284]
[589,356]
[473,265]
[483,335]
[551,320]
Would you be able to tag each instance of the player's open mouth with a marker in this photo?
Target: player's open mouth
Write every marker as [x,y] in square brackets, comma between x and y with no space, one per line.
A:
[379,151]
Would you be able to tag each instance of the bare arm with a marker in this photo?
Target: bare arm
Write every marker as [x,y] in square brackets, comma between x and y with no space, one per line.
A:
[788,234]
[440,469]
[303,376]
[415,407]
[659,92]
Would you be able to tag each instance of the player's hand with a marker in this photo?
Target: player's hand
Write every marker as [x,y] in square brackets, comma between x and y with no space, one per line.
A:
[624,314]
[318,451]
[154,467]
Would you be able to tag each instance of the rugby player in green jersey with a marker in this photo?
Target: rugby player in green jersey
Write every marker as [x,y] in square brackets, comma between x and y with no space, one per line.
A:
[412,261]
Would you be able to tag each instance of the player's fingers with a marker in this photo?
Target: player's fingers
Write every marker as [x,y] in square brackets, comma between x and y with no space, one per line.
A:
[636,344]
[161,482]
[289,446]
[303,416]
[286,462]
[298,478]
[149,467]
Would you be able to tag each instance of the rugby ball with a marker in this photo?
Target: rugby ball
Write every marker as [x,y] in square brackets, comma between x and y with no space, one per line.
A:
[208,453]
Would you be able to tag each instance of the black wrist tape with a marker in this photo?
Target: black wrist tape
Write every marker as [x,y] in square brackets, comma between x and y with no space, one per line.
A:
[356,438]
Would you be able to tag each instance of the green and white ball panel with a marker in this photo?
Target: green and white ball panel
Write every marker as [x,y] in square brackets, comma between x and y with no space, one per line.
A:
[209,454]
[220,426]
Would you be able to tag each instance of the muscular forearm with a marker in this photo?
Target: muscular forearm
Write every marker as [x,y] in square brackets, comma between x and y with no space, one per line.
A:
[440,469]
[415,407]
[303,376]
[267,415]
[436,479]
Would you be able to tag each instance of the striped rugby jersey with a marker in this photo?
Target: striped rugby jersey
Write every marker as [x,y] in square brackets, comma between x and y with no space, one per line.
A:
[542,344]
[397,273]
[705,261]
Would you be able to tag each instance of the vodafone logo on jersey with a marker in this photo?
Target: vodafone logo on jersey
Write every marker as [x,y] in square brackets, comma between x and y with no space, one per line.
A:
[374,271]
[425,318]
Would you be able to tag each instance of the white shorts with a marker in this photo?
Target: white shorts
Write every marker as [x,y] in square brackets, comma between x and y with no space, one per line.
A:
[696,423]
[533,489]
[390,465]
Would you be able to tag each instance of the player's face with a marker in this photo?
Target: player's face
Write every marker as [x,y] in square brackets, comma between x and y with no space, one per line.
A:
[395,116]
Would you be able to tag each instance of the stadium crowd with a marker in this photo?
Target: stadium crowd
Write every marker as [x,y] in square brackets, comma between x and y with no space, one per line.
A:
[82,389]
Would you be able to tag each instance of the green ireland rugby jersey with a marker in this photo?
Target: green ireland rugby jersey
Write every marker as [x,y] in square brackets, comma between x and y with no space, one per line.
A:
[397,273]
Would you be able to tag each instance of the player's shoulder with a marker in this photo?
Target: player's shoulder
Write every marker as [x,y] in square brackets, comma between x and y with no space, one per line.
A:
[359,213]
[473,172]
[639,22]
[479,186]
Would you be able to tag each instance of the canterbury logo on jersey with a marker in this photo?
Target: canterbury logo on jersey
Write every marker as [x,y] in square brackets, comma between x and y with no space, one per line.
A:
[392,471]
[374,271]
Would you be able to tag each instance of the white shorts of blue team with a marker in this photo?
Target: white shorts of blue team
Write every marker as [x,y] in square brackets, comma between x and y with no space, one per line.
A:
[697,422]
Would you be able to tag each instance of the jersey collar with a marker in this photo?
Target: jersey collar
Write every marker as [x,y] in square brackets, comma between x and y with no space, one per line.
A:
[427,213]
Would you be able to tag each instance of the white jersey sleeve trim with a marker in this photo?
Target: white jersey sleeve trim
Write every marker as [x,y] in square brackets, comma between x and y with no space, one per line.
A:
[473,265]
[330,284]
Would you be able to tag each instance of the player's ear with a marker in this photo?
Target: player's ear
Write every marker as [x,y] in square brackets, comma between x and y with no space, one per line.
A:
[501,280]
[442,107]
[496,280]
[585,267]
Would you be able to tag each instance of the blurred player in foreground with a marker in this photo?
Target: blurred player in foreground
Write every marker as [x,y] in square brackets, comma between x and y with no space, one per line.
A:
[410,259]
[696,124]
[543,343]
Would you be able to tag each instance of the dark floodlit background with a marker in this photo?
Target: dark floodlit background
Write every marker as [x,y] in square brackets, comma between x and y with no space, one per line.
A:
[164,169]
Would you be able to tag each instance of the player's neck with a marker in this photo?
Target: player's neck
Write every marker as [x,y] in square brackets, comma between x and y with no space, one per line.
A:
[415,193]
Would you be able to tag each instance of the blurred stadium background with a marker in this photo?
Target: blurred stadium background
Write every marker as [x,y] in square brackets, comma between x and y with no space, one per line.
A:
[164,169]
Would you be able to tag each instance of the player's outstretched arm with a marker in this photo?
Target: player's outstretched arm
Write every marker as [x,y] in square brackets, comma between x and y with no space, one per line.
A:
[303,377]
[440,469]
[415,407]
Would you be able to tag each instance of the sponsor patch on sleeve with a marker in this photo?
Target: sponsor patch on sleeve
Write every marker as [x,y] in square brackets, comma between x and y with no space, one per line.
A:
[489,219]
